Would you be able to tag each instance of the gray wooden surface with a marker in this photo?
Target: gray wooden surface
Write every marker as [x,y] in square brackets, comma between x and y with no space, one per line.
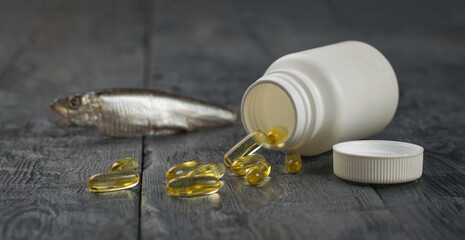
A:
[213,50]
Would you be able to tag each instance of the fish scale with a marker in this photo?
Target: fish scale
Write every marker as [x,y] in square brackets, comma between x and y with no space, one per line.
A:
[127,112]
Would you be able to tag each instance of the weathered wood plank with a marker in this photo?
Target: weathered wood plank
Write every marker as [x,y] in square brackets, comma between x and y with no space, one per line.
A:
[69,47]
[214,52]
[431,114]
[424,42]
[15,38]
[44,195]
[296,206]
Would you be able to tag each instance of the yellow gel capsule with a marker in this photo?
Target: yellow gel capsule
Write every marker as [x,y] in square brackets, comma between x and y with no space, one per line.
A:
[293,162]
[193,186]
[124,164]
[182,170]
[246,146]
[113,181]
[215,169]
[258,172]
[277,135]
[242,164]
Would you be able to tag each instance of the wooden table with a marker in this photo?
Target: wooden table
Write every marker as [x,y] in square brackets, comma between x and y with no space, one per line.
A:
[213,50]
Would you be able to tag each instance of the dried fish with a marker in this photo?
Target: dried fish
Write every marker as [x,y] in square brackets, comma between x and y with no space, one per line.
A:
[127,112]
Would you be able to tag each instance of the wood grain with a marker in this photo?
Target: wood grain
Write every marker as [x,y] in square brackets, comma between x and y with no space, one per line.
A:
[228,45]
[50,49]
[213,50]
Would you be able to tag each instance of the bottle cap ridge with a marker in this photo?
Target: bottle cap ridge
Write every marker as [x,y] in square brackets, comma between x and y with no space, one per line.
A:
[377,161]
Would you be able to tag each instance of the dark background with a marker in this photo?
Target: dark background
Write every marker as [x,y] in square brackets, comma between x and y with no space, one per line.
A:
[213,50]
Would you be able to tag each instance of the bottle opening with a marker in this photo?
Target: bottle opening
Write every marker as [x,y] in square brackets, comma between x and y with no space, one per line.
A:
[266,105]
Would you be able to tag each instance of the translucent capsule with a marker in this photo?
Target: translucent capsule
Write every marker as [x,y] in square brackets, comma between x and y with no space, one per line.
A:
[124,165]
[258,172]
[182,170]
[246,146]
[277,135]
[242,164]
[215,169]
[293,162]
[113,181]
[193,186]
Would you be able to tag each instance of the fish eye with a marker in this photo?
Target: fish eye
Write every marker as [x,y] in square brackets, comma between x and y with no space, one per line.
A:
[74,102]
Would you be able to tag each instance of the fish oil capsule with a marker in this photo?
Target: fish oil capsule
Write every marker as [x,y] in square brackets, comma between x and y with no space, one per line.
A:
[182,170]
[124,165]
[215,169]
[193,186]
[293,162]
[258,172]
[242,164]
[277,135]
[113,181]
[246,146]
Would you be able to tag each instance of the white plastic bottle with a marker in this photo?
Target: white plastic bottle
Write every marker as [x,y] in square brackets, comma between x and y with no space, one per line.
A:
[340,92]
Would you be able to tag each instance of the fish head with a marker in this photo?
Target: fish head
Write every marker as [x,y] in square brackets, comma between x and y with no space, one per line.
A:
[80,109]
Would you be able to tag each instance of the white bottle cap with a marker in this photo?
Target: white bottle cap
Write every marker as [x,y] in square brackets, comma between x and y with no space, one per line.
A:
[374,161]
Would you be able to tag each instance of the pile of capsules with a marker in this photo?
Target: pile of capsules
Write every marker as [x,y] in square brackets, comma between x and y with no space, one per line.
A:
[196,178]
[121,175]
